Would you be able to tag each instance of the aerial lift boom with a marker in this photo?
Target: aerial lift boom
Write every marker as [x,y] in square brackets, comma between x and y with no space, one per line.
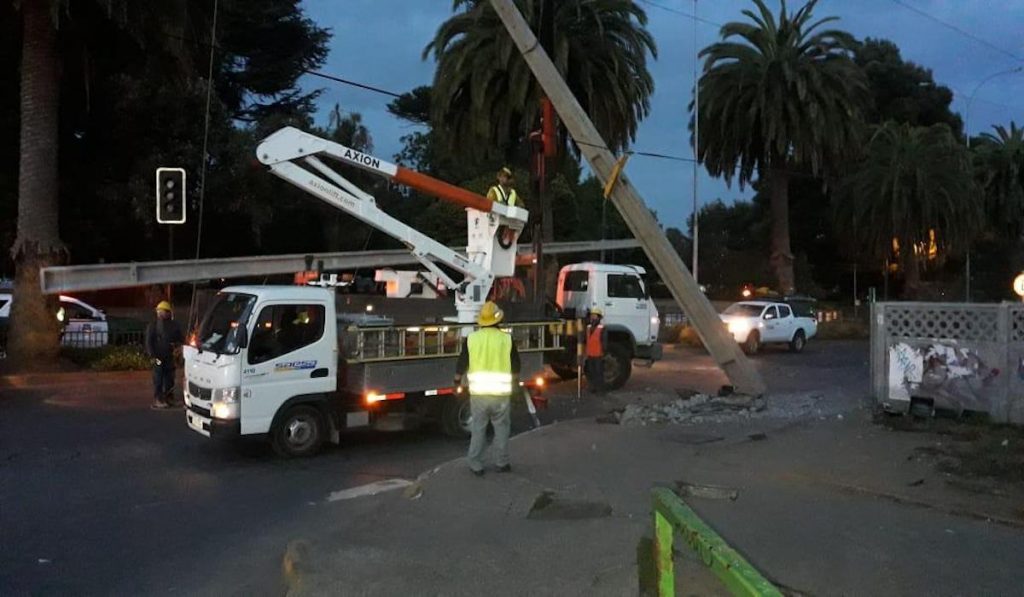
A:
[494,228]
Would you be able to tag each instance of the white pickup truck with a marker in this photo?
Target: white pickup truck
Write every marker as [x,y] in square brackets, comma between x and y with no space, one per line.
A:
[756,323]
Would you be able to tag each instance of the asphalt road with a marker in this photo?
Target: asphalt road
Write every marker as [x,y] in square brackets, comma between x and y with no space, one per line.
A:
[100,495]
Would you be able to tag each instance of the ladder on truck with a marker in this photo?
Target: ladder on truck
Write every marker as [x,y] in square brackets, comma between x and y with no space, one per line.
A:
[375,344]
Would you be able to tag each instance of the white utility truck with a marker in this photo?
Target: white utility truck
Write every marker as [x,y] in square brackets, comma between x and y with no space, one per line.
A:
[756,323]
[630,316]
[301,364]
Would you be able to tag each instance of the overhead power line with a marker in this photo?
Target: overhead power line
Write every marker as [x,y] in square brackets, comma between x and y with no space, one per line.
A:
[681,12]
[959,30]
[352,83]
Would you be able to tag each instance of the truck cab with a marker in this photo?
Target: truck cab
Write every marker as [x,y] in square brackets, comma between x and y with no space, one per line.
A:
[630,315]
[268,353]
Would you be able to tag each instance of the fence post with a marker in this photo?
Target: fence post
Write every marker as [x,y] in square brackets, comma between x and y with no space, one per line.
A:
[879,343]
[1005,335]
[663,536]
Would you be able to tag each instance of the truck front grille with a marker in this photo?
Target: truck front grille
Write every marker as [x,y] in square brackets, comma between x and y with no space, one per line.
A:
[198,392]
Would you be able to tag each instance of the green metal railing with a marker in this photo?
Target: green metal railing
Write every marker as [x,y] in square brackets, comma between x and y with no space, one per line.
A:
[671,516]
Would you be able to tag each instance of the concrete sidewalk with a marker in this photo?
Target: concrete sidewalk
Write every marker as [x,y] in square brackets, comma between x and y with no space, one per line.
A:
[825,507]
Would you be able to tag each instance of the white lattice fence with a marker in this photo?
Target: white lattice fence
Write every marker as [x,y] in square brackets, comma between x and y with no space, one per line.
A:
[961,356]
[943,322]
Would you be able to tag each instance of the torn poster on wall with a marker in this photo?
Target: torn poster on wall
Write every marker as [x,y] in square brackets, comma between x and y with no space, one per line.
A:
[954,377]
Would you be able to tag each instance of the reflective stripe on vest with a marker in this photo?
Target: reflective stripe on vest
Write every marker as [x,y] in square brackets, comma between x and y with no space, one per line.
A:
[594,346]
[508,199]
[490,363]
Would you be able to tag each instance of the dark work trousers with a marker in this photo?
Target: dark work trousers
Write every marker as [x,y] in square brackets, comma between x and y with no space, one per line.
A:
[163,381]
[595,373]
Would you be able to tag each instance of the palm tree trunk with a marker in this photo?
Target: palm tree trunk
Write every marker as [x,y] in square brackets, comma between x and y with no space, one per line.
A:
[911,271]
[33,338]
[782,255]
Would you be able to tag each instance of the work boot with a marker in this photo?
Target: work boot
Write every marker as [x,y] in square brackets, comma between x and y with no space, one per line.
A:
[159,405]
[507,468]
[478,473]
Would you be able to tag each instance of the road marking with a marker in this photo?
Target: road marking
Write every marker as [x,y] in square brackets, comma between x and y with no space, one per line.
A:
[368,489]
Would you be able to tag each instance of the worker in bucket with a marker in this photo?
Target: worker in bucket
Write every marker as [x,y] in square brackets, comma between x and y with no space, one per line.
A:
[490,363]
[597,339]
[503,191]
[163,337]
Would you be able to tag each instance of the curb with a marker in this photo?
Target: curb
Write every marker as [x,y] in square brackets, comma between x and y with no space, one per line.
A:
[31,381]
[295,563]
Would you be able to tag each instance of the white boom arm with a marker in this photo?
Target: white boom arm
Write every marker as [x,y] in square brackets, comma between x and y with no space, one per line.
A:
[494,229]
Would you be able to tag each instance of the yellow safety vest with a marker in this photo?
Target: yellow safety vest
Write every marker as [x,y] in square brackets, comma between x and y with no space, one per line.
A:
[490,363]
[510,199]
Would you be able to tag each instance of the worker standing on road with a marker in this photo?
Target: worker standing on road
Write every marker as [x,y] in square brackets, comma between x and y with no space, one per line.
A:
[491,363]
[597,339]
[503,191]
[163,336]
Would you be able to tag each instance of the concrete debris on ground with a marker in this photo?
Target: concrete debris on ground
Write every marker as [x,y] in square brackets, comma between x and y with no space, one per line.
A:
[694,407]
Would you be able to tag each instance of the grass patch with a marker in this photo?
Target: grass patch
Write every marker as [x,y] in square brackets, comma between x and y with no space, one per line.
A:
[108,358]
[844,329]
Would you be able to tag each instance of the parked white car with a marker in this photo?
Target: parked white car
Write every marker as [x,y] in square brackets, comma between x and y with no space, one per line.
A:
[756,323]
[85,326]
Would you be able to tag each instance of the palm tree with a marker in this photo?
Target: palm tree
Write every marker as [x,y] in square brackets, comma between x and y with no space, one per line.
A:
[778,95]
[34,329]
[1000,168]
[485,97]
[913,185]
[33,337]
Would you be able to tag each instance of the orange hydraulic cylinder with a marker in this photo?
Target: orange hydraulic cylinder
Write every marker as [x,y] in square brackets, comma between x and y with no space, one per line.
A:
[441,190]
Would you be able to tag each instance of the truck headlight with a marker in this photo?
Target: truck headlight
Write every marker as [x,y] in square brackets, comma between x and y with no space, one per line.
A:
[739,326]
[226,395]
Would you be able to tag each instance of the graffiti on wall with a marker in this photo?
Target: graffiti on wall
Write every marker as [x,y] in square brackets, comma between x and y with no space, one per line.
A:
[954,377]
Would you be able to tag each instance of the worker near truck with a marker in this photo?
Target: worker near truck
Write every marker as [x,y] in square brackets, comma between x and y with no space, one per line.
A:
[163,337]
[490,363]
[597,339]
[503,191]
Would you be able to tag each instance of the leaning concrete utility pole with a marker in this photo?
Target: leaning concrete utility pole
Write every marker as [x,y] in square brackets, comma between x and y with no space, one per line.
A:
[638,217]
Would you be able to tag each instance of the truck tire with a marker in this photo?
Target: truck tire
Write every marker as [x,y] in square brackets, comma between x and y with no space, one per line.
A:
[618,366]
[455,416]
[299,433]
[798,342]
[753,344]
[564,372]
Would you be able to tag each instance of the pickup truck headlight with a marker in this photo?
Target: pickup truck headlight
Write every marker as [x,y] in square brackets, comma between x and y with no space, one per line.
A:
[739,326]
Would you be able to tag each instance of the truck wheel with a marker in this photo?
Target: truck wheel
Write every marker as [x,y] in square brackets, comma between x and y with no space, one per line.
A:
[456,417]
[618,366]
[564,372]
[299,433]
[798,342]
[753,344]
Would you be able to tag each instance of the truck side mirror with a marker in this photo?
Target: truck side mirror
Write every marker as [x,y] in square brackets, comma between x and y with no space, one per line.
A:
[242,337]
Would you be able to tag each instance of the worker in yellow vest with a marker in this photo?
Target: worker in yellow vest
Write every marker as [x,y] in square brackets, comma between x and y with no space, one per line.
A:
[597,339]
[490,363]
[503,191]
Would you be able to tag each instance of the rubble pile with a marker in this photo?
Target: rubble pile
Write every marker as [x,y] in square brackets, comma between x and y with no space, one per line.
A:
[696,408]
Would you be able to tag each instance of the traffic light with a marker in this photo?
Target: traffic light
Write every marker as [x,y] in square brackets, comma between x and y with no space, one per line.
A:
[170,195]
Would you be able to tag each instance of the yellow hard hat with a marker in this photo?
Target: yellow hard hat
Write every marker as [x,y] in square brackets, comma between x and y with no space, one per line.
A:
[596,311]
[163,306]
[490,314]
[506,171]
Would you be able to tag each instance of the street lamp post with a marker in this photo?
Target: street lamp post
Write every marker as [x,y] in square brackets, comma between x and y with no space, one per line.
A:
[967,135]
[696,144]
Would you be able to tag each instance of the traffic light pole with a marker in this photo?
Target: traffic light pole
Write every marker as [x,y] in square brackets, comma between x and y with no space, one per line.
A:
[638,217]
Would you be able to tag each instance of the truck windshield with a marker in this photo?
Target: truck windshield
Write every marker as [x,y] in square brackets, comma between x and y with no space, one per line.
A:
[744,310]
[219,331]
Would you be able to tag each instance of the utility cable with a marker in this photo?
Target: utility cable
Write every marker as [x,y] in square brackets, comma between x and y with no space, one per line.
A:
[192,311]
